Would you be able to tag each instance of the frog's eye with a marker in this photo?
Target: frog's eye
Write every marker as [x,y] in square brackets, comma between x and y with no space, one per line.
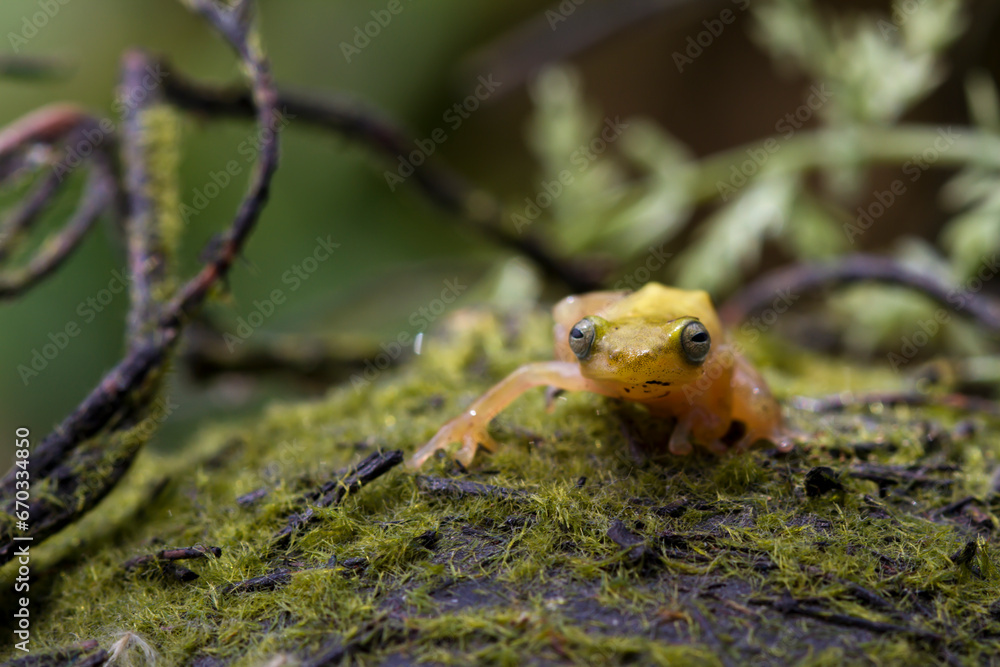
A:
[695,342]
[581,338]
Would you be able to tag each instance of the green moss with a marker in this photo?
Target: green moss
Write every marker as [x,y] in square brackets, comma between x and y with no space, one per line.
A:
[736,555]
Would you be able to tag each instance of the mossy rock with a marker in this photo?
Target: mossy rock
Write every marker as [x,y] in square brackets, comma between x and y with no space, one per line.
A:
[874,541]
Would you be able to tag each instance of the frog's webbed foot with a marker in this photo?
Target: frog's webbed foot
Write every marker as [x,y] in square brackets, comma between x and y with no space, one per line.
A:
[466,429]
[470,428]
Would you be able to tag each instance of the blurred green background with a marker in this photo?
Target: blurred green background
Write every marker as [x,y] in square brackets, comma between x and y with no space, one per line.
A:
[324,187]
[396,249]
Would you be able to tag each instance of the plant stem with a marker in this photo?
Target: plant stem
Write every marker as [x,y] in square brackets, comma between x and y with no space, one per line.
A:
[845,147]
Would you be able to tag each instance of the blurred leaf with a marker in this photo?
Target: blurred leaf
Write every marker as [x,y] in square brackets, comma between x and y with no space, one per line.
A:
[981,96]
[878,316]
[579,187]
[731,240]
[877,67]
[972,234]
[561,121]
[932,25]
[663,204]
[812,232]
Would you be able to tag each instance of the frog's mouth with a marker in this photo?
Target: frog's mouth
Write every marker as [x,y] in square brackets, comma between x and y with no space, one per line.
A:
[645,390]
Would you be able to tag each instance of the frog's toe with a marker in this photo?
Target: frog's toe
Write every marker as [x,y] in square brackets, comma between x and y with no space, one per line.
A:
[454,431]
[785,443]
[471,442]
[679,444]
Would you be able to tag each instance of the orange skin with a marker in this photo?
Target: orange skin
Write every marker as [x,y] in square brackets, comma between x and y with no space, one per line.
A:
[637,355]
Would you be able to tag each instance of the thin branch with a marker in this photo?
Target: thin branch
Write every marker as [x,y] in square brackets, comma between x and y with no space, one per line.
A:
[51,126]
[122,397]
[789,605]
[20,221]
[443,486]
[43,126]
[234,25]
[550,37]
[346,483]
[31,68]
[147,252]
[307,359]
[99,195]
[478,209]
[800,279]
[109,400]
[841,402]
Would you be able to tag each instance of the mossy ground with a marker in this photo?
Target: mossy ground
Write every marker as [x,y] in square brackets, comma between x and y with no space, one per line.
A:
[716,561]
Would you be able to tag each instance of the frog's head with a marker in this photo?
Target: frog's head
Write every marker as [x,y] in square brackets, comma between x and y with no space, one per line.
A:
[640,357]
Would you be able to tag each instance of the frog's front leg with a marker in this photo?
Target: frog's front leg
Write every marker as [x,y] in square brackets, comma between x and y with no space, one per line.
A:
[469,428]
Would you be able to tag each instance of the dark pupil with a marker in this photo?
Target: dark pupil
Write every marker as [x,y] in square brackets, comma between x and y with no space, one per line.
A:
[699,337]
[576,333]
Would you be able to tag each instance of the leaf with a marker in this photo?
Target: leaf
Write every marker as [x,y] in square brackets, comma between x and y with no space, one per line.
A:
[970,235]
[662,204]
[731,240]
[812,233]
[982,101]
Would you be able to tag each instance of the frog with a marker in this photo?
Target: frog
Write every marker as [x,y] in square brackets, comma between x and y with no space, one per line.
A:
[661,347]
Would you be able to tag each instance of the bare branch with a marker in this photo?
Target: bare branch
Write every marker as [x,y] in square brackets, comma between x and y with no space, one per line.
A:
[479,210]
[21,220]
[122,399]
[99,195]
[811,277]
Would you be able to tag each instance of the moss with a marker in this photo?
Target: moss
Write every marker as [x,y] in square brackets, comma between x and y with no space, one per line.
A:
[735,559]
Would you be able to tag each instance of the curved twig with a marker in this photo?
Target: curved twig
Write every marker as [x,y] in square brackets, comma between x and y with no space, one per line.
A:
[233,23]
[804,278]
[43,126]
[99,195]
[31,67]
[109,401]
[557,35]
[51,126]
[147,251]
[841,402]
[21,220]
[122,399]
[348,117]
